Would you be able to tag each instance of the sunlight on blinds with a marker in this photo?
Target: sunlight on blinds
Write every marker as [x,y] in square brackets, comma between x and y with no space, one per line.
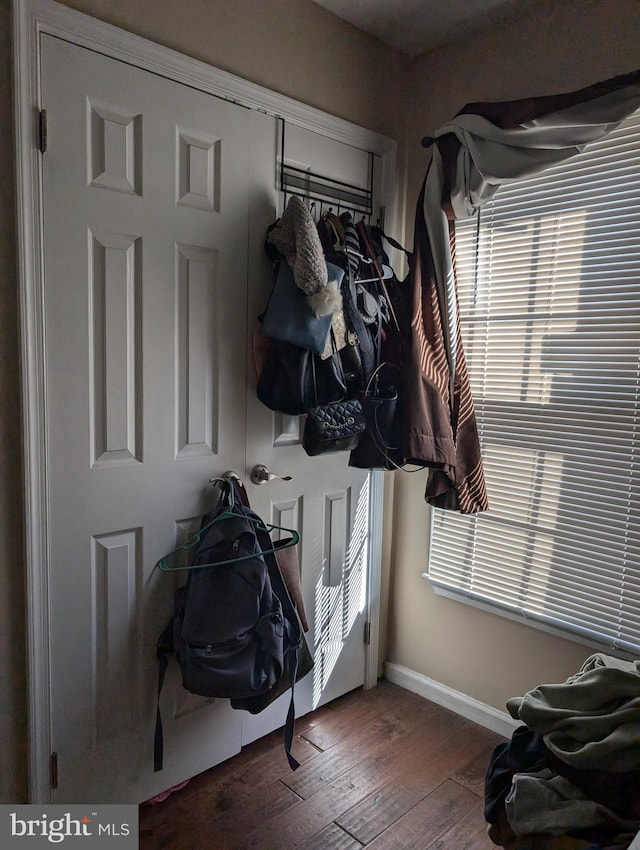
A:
[549,291]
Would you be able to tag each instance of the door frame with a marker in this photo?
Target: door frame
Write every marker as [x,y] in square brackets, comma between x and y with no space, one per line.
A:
[31,18]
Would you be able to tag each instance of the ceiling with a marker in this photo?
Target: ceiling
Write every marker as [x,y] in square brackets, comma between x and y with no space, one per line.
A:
[415,26]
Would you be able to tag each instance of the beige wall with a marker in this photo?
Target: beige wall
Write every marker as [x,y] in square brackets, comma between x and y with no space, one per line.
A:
[293,47]
[560,46]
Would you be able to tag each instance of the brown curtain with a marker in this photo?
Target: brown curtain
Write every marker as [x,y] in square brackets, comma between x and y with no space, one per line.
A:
[484,146]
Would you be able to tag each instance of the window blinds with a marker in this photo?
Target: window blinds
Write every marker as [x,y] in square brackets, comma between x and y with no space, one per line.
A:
[549,291]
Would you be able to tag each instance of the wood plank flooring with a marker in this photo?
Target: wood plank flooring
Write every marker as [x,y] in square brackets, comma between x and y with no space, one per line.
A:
[382,769]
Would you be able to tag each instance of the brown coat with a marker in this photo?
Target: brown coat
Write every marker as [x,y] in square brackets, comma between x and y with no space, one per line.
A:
[439,427]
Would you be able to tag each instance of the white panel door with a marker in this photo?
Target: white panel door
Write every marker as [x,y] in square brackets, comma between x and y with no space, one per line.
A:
[145,228]
[326,501]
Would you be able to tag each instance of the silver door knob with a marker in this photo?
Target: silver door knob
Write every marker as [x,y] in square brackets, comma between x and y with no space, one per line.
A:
[261,475]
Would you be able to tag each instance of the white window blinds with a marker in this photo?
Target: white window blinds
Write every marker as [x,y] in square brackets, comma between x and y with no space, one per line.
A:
[549,289]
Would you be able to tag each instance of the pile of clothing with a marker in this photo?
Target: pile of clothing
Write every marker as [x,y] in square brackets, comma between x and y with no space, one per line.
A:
[569,779]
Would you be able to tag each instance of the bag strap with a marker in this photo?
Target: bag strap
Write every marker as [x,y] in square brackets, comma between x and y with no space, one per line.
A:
[164,649]
[295,636]
[336,359]
[289,724]
[266,546]
[370,392]
[239,492]
[391,241]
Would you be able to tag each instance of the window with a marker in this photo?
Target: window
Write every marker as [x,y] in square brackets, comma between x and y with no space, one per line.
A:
[549,290]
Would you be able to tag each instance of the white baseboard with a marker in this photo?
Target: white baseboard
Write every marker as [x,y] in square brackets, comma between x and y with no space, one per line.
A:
[479,712]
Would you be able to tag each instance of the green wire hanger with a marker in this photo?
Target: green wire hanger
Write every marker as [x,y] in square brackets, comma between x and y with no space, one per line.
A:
[229,511]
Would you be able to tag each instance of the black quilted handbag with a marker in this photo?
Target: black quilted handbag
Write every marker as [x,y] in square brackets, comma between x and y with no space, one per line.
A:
[334,427]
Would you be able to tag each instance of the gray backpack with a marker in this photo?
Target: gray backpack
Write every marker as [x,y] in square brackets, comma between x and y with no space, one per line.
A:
[235,631]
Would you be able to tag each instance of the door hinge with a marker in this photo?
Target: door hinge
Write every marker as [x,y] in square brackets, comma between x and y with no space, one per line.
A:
[42,130]
[367,633]
[54,770]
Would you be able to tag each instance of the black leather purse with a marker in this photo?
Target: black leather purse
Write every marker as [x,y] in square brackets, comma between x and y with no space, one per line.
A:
[292,380]
[334,426]
[381,445]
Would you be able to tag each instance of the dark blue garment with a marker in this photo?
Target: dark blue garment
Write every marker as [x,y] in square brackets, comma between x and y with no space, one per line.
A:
[525,753]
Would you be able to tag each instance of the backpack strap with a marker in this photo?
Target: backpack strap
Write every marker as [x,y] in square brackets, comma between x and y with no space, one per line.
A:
[294,764]
[295,636]
[163,651]
[239,492]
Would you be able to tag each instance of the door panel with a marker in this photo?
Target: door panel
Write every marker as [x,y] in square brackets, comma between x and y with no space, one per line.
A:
[146,198]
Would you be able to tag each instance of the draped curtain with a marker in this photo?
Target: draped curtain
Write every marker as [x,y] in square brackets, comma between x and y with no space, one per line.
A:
[483,147]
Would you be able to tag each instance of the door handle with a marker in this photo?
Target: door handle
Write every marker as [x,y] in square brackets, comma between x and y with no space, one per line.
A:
[261,475]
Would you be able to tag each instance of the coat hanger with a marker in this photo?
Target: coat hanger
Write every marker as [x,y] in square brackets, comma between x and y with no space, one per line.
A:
[360,256]
[231,510]
[387,273]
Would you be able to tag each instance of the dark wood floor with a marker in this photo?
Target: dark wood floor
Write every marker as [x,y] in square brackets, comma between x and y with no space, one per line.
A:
[382,769]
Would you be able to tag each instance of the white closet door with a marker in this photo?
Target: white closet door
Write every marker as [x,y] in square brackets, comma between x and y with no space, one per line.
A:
[146,216]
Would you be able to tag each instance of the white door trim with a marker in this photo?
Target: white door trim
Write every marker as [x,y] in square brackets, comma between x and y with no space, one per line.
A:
[31,18]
